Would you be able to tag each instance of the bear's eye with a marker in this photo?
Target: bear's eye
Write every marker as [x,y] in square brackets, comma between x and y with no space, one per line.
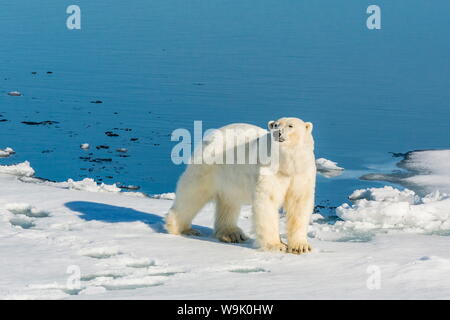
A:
[291,126]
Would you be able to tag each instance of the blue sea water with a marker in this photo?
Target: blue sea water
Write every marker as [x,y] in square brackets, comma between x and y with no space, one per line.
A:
[158,65]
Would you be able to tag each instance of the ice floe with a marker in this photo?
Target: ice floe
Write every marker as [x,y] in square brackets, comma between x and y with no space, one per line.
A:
[424,171]
[328,168]
[6,152]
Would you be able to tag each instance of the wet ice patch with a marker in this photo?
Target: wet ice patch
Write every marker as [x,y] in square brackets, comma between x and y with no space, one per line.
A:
[100,282]
[25,209]
[131,283]
[92,290]
[22,222]
[103,274]
[248,270]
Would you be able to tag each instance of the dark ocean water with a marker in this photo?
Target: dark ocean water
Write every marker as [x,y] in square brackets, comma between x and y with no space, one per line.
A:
[159,65]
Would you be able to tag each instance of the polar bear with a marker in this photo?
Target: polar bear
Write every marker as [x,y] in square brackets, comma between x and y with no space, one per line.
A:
[290,184]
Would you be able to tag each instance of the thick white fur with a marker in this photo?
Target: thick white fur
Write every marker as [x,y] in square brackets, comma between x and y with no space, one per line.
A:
[292,186]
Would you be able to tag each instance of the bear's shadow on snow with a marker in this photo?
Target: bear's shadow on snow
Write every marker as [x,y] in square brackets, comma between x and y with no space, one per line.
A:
[113,214]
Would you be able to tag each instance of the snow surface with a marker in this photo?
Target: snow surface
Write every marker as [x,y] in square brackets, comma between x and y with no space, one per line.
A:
[90,185]
[51,231]
[389,208]
[166,196]
[21,169]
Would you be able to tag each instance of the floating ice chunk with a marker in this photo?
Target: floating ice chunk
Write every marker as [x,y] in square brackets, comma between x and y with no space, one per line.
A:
[6,152]
[328,168]
[22,169]
[325,164]
[84,146]
[14,93]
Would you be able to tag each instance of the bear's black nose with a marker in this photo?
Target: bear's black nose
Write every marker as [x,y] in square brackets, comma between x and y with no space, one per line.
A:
[277,135]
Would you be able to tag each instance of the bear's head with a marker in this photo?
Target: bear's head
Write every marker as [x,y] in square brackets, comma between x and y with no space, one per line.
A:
[292,132]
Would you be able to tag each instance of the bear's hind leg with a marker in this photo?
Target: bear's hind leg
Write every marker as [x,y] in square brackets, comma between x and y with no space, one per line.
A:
[225,226]
[191,196]
[180,216]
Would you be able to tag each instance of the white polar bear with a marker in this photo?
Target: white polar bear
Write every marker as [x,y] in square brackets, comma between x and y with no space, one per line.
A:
[291,185]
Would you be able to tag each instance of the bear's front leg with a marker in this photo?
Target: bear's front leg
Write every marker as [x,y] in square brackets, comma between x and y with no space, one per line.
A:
[266,221]
[299,210]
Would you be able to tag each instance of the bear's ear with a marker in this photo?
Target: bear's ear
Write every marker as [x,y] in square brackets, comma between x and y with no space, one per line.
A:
[309,126]
[270,124]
